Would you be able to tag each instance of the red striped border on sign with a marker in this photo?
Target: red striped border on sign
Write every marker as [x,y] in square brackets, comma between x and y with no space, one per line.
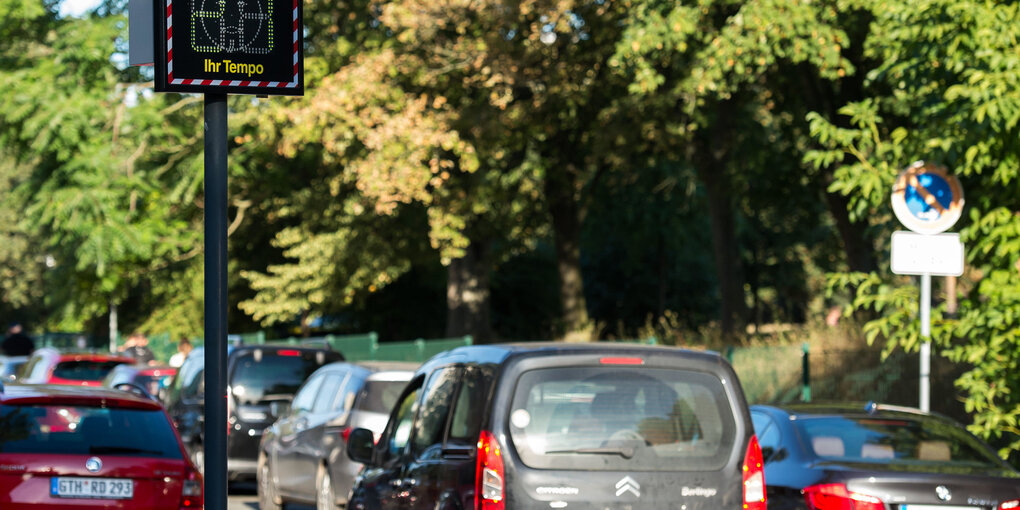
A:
[229,83]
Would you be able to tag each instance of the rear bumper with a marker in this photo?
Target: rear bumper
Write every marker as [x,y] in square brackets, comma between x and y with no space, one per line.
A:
[241,469]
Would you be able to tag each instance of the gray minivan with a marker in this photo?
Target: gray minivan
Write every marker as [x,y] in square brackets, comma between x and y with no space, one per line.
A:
[576,426]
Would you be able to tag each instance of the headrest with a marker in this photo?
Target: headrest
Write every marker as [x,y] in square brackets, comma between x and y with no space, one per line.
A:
[828,446]
[933,450]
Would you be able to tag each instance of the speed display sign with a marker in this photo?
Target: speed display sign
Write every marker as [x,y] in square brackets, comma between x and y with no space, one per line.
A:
[229,46]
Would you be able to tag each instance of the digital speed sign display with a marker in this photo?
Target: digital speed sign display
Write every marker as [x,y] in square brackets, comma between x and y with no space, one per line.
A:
[229,46]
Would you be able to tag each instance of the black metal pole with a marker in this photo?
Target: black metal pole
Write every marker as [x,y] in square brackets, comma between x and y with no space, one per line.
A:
[215,302]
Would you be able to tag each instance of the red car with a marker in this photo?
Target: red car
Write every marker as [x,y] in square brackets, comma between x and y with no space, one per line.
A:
[66,447]
[49,366]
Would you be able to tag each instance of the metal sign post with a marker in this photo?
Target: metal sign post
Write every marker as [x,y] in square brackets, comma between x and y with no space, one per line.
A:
[215,301]
[219,47]
[927,200]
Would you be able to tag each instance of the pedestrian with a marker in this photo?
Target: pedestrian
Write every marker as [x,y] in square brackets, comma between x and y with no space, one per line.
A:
[17,343]
[183,348]
[137,347]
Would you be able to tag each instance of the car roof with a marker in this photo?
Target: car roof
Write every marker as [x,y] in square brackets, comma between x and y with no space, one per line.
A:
[24,394]
[81,355]
[497,353]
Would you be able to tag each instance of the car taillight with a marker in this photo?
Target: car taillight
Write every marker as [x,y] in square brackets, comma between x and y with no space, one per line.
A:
[345,433]
[1009,505]
[488,474]
[621,361]
[835,496]
[754,477]
[191,491]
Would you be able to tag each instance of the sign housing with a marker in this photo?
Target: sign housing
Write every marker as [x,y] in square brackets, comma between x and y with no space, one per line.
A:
[229,46]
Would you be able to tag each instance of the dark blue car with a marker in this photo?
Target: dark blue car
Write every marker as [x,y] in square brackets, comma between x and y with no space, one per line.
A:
[874,457]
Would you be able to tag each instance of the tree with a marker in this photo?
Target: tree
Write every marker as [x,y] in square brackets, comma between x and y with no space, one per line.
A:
[703,71]
[107,184]
[949,72]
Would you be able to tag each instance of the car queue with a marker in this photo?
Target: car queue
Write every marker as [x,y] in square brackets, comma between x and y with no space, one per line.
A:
[522,426]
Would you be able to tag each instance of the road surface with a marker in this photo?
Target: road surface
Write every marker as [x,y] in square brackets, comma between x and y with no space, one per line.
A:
[243,497]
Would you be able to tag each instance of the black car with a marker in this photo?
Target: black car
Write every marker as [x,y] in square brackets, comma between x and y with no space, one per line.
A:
[302,457]
[261,381]
[576,426]
[864,456]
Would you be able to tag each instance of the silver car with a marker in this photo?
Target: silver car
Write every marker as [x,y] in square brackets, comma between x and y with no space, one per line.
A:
[302,457]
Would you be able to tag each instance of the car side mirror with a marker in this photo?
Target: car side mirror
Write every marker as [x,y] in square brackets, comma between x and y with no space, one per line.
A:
[360,445]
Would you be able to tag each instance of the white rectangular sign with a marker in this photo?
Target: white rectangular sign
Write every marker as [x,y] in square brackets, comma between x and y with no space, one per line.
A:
[917,254]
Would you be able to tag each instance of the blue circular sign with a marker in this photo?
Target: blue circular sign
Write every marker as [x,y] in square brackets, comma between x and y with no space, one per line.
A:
[926,199]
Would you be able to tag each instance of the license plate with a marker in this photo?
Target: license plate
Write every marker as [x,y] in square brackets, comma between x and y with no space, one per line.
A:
[99,488]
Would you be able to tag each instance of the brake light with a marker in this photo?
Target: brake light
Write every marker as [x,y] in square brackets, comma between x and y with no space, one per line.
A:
[191,491]
[835,496]
[488,474]
[345,433]
[1009,505]
[621,361]
[754,477]
[288,352]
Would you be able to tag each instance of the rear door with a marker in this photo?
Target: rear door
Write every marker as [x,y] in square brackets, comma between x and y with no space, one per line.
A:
[640,431]
[290,474]
[310,434]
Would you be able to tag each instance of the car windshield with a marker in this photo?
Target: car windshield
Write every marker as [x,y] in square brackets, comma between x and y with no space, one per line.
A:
[262,375]
[893,440]
[379,396]
[643,419]
[80,430]
[84,370]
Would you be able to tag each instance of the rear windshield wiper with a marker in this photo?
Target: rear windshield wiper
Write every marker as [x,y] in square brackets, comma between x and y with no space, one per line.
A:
[623,451]
[122,449]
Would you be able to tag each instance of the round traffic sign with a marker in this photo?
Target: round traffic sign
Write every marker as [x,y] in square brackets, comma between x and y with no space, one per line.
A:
[927,199]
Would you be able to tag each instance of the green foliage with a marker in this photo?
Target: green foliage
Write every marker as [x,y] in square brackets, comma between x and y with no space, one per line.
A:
[945,92]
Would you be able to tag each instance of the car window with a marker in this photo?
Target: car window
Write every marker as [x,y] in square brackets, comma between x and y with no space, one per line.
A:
[899,440]
[348,393]
[435,407]
[768,434]
[194,386]
[84,370]
[328,392]
[632,418]
[263,375]
[87,431]
[306,396]
[398,431]
[379,396]
[465,425]
[36,370]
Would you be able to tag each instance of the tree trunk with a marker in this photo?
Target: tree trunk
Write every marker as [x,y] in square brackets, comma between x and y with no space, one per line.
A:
[468,297]
[566,221]
[725,248]
[712,160]
[860,253]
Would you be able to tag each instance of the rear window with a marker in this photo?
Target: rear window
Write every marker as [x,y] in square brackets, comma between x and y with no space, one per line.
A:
[630,418]
[265,375]
[84,370]
[87,431]
[893,441]
[379,396]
